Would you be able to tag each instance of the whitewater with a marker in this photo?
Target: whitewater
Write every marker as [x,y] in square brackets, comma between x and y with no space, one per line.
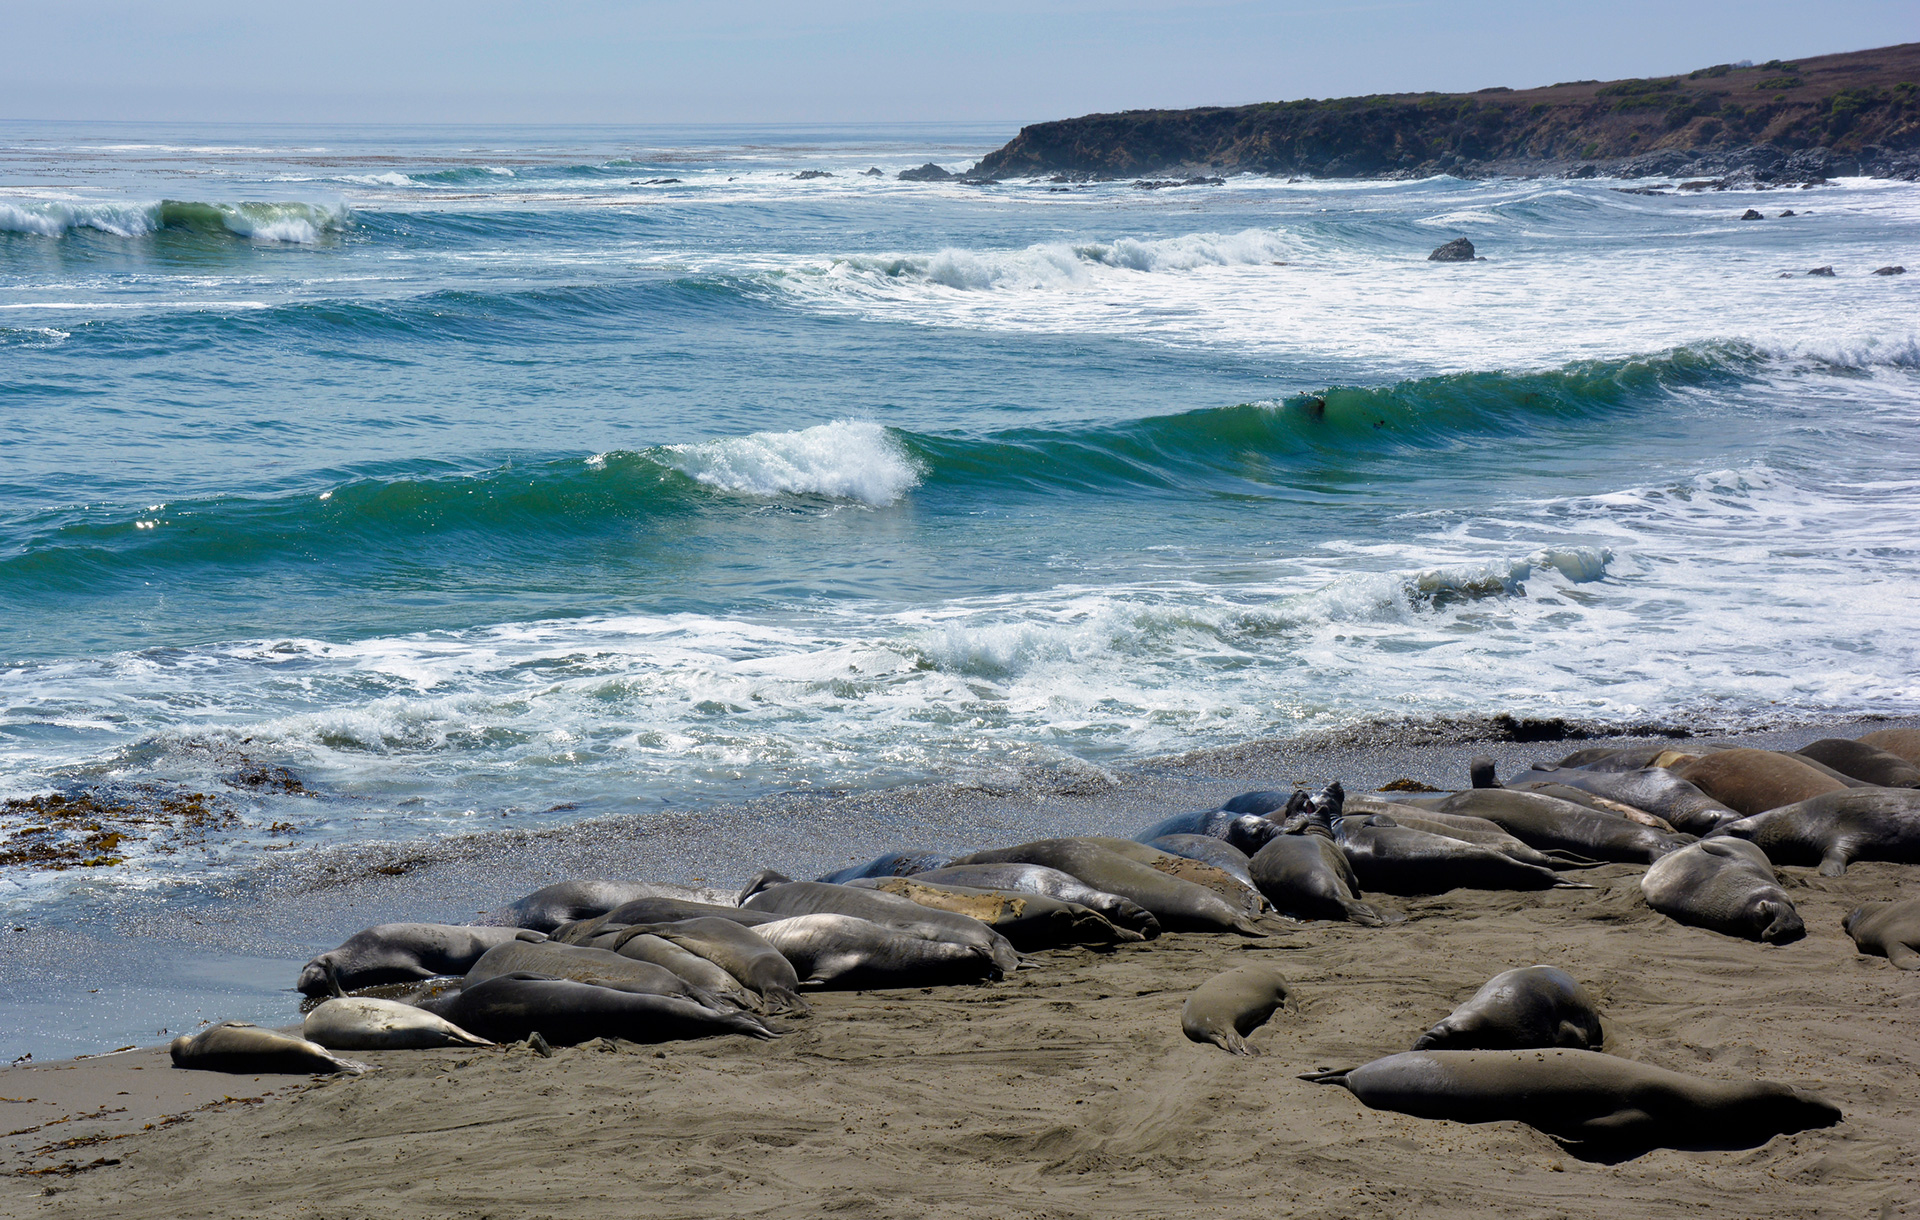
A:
[496,479]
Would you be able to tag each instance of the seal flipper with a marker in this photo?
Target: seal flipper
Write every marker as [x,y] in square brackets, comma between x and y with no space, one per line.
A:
[1338,1077]
[1368,915]
[1567,859]
[1834,863]
[766,878]
[1903,956]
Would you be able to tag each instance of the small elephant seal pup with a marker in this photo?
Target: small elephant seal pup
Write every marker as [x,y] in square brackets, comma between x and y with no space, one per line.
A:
[569,901]
[1028,921]
[598,967]
[1049,883]
[1245,831]
[742,953]
[1754,781]
[1520,1009]
[236,1046]
[1596,1106]
[893,864]
[509,1007]
[1891,929]
[360,1023]
[1863,762]
[1227,1007]
[404,953]
[845,951]
[1834,829]
[1726,885]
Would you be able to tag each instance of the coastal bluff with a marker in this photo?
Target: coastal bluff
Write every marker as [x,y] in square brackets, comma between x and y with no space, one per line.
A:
[1799,120]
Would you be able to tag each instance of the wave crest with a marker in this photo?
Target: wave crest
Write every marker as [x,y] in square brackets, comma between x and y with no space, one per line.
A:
[293,222]
[1065,265]
[845,460]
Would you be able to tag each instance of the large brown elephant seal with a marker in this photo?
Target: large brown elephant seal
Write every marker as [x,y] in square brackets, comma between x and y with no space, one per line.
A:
[1837,828]
[570,901]
[235,1046]
[1049,883]
[1598,1107]
[1307,876]
[1863,762]
[1891,929]
[890,910]
[404,953]
[849,952]
[509,1007]
[361,1023]
[1028,921]
[599,967]
[1532,1006]
[1549,823]
[1903,743]
[1229,1006]
[1726,885]
[1754,781]
[741,952]
[1178,904]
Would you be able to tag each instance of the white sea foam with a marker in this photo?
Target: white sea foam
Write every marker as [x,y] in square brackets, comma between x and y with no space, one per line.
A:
[845,459]
[292,222]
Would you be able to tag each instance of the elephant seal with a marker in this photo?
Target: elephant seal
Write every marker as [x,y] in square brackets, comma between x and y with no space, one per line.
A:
[1178,904]
[510,1007]
[849,952]
[1520,1009]
[1209,850]
[404,953]
[1656,790]
[893,864]
[569,901]
[1028,921]
[1902,743]
[360,1023]
[1307,876]
[236,1046]
[1229,1006]
[1468,829]
[599,967]
[1863,762]
[1837,828]
[1049,883]
[741,952]
[1244,831]
[1272,804]
[635,944]
[654,910]
[1754,781]
[1726,885]
[1397,860]
[889,910]
[1891,929]
[1548,823]
[1614,758]
[1596,1106]
[1188,868]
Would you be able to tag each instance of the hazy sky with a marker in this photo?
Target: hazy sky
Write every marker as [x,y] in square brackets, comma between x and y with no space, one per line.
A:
[755,61]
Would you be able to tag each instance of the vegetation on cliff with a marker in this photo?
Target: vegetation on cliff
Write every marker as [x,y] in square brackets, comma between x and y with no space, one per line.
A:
[1863,104]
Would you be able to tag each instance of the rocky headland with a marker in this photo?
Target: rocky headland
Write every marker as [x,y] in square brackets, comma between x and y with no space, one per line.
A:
[1777,122]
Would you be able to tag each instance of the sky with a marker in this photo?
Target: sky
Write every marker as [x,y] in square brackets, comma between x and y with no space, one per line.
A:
[848,61]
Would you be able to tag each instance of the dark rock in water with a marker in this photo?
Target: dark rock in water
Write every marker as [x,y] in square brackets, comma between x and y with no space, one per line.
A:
[1459,250]
[1821,271]
[807,174]
[1636,190]
[1702,184]
[926,173]
[873,172]
[1786,213]
[1891,271]
[1156,184]
[1750,214]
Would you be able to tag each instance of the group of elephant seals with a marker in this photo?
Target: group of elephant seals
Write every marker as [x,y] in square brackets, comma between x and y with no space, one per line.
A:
[1836,828]
[1548,822]
[1049,883]
[1727,885]
[1229,1006]
[1028,921]
[742,953]
[1178,904]
[235,1046]
[1596,1106]
[404,953]
[794,898]
[1533,1006]
[1307,876]
[1891,929]
[1863,762]
[361,1023]
[510,1007]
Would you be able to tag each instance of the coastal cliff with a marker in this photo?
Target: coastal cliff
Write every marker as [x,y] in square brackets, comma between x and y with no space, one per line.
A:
[1831,115]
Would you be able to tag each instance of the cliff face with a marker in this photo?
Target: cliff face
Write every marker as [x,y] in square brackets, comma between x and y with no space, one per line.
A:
[1862,108]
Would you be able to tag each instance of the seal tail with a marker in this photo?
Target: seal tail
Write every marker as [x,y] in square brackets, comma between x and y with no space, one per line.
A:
[1265,925]
[1232,1042]
[1335,1077]
[781,1000]
[1369,916]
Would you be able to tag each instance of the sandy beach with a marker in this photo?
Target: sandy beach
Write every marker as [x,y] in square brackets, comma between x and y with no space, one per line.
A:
[1065,1091]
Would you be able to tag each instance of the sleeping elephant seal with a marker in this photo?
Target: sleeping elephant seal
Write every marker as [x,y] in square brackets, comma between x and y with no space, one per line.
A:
[1863,762]
[1726,885]
[1656,790]
[1178,904]
[742,953]
[1754,781]
[635,944]
[509,1007]
[1209,850]
[235,1046]
[846,951]
[1596,1106]
[567,901]
[1271,804]
[1467,829]
[1837,828]
[654,910]
[404,953]
[1891,929]
[358,1023]
[1903,743]
[1549,823]
[893,864]
[1533,1006]
[1028,921]
[1222,881]
[890,910]
[1399,860]
[1307,876]
[1049,883]
[1227,1007]
[599,967]
[1244,831]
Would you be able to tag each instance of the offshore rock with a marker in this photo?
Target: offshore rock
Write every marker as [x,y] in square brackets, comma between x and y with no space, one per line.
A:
[1459,250]
[926,173]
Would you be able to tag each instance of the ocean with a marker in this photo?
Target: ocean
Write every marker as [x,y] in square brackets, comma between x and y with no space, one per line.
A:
[368,486]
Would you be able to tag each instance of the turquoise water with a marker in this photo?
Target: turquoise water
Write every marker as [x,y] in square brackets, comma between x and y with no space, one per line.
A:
[470,474]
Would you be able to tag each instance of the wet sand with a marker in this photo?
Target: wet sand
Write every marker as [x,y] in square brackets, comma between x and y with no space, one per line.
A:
[1066,1091]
